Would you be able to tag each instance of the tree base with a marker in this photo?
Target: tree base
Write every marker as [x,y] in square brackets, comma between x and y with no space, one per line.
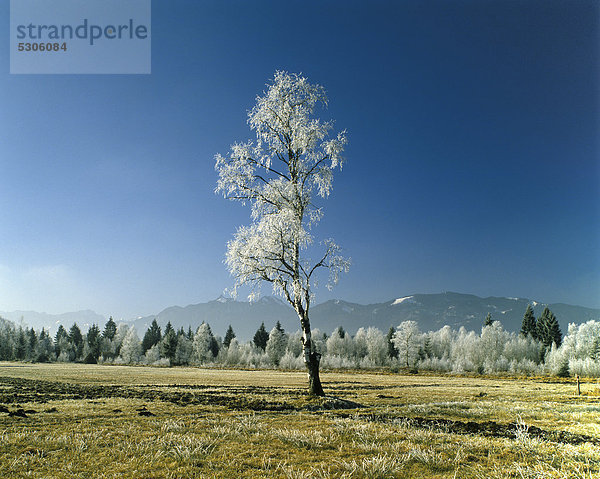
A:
[315,388]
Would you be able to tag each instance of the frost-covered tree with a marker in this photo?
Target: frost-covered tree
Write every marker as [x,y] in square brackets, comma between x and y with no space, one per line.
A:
[377,347]
[408,341]
[279,174]
[131,348]
[294,345]
[340,345]
[204,344]
[360,344]
[183,352]
[276,345]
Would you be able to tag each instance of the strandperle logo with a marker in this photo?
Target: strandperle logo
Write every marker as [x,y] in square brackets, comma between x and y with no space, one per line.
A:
[80,36]
[84,31]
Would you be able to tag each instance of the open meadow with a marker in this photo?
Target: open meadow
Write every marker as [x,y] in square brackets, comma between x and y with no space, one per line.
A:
[89,421]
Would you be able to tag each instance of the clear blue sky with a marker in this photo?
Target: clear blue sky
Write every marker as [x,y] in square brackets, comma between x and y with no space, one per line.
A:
[472,164]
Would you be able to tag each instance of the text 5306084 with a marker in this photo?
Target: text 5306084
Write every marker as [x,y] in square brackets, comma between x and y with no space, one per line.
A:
[42,47]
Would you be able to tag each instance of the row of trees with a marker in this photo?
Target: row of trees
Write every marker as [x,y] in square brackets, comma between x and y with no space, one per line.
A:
[537,349]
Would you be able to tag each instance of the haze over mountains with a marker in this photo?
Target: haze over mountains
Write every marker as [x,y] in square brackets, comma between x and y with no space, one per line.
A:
[430,311]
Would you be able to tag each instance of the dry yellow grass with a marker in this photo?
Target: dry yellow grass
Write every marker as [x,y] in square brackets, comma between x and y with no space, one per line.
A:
[138,422]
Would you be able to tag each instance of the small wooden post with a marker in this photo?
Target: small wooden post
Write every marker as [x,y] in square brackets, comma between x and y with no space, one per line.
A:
[578,387]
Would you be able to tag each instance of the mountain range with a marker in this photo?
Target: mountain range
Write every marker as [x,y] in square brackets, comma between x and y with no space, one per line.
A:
[430,311]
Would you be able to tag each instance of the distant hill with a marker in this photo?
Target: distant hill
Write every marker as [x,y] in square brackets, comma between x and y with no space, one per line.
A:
[51,322]
[433,311]
[430,311]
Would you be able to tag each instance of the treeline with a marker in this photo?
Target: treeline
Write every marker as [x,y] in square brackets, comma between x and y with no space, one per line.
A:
[538,348]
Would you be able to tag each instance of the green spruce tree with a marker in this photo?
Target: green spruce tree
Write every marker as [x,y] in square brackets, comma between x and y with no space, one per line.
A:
[529,324]
[261,337]
[110,329]
[548,329]
[93,340]
[152,336]
[76,339]
[229,335]
[168,345]
[392,351]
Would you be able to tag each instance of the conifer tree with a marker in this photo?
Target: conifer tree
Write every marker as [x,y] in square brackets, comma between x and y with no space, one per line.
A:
[76,339]
[529,324]
[110,329]
[21,347]
[168,345]
[61,334]
[229,335]
[548,329]
[261,337]
[93,340]
[392,350]
[152,336]
[488,320]
[33,341]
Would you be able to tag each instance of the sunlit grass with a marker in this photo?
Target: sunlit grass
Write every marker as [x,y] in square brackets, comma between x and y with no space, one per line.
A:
[217,435]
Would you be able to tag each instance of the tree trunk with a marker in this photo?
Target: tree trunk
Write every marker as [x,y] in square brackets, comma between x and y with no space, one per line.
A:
[314,381]
[312,358]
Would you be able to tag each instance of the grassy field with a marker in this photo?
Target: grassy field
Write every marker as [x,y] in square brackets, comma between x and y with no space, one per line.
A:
[84,421]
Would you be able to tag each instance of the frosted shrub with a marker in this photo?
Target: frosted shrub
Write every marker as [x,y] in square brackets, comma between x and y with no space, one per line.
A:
[376,346]
[289,361]
[462,365]
[162,362]
[233,353]
[338,346]
[250,355]
[367,363]
[585,367]
[360,344]
[294,343]
[131,349]
[184,350]
[583,341]
[337,362]
[436,364]
[276,345]
[408,340]
[519,347]
[152,355]
[491,366]
[524,366]
[442,342]
[201,346]
[556,360]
